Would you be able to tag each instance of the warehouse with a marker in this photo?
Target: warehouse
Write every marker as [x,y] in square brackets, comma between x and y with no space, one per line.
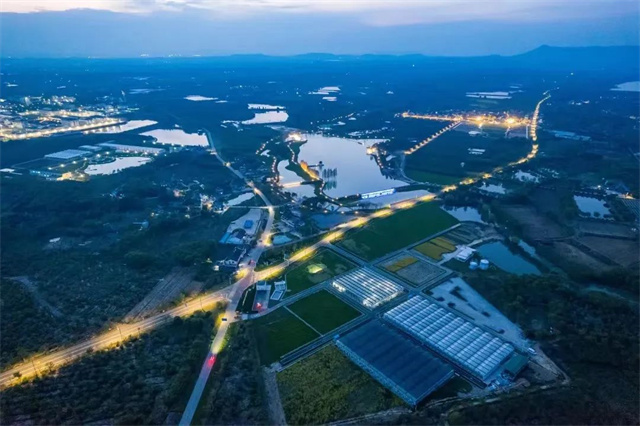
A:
[367,287]
[477,352]
[68,154]
[395,361]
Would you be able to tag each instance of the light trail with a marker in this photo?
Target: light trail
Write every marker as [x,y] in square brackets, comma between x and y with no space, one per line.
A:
[43,364]
[40,364]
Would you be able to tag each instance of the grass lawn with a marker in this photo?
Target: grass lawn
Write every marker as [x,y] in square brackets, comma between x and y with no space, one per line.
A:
[279,333]
[324,311]
[327,386]
[326,264]
[401,229]
[437,178]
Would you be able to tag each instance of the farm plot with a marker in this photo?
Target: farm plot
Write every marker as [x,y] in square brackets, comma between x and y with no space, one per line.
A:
[415,271]
[323,311]
[535,226]
[435,248]
[323,266]
[623,252]
[401,229]
[279,333]
[327,386]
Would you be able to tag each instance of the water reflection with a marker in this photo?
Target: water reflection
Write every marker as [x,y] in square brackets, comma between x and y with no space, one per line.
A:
[353,171]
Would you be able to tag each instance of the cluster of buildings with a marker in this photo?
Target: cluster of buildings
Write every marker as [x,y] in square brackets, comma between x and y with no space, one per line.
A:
[35,117]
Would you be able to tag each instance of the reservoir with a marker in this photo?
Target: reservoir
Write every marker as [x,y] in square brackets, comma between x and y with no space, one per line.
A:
[356,172]
[500,255]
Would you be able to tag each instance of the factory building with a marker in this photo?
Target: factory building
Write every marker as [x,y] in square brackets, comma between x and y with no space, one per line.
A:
[68,154]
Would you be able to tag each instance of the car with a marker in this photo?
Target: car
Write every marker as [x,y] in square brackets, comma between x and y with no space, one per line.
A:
[211,360]
[224,319]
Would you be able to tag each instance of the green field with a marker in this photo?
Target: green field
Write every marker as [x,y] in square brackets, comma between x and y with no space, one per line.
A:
[437,178]
[436,248]
[327,387]
[401,229]
[448,157]
[279,333]
[323,311]
[323,266]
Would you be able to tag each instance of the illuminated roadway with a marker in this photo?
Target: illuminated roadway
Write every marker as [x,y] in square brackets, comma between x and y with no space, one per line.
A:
[237,289]
[233,294]
[40,364]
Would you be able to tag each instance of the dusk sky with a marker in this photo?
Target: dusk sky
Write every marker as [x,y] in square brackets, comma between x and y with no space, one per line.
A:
[129,28]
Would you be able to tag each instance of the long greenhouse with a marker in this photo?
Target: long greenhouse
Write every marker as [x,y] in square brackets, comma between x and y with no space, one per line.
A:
[464,344]
[367,287]
[395,361]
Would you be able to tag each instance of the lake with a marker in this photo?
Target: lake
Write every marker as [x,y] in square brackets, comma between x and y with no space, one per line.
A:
[115,166]
[268,117]
[500,255]
[177,137]
[198,98]
[129,125]
[357,172]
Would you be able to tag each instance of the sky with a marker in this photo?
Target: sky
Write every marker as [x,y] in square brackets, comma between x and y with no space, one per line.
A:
[130,28]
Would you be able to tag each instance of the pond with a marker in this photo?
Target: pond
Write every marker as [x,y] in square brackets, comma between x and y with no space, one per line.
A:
[240,199]
[177,137]
[198,98]
[591,206]
[494,189]
[268,117]
[115,166]
[465,214]
[356,172]
[500,255]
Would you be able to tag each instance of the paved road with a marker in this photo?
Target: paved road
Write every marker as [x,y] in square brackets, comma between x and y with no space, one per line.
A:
[237,290]
[37,366]
[40,364]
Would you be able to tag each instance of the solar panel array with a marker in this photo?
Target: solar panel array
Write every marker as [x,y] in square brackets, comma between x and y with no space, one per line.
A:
[367,287]
[458,340]
[398,363]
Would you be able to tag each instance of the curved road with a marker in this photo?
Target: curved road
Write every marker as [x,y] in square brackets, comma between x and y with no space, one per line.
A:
[39,365]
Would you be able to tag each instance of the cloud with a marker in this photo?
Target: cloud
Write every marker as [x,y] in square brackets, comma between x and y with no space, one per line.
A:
[371,12]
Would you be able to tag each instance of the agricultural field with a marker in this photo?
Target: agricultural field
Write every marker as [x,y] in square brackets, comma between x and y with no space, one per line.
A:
[435,248]
[534,226]
[327,387]
[397,263]
[416,272]
[401,229]
[623,252]
[321,267]
[279,333]
[140,382]
[324,311]
[447,159]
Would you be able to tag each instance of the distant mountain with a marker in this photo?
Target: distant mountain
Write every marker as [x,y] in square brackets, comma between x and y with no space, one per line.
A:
[580,58]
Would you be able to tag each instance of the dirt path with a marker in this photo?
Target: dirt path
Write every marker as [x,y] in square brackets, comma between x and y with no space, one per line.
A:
[276,412]
[168,289]
[28,285]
